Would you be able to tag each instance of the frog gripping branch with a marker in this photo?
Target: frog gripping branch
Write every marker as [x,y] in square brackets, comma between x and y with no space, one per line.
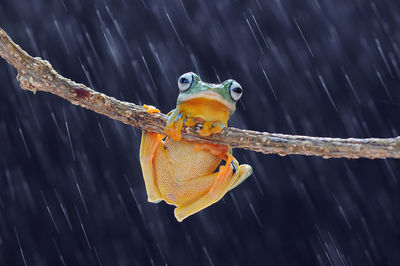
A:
[181,172]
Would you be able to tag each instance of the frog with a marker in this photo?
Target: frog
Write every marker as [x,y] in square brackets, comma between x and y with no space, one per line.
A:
[188,174]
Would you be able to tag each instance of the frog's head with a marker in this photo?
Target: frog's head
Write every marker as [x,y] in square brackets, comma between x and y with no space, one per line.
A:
[225,94]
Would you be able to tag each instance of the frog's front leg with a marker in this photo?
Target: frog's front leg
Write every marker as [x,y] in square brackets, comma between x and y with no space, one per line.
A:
[228,177]
[178,118]
[148,146]
[174,124]
[211,127]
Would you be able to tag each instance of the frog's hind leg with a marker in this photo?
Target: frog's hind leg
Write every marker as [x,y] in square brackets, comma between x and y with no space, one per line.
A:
[222,151]
[225,178]
[148,146]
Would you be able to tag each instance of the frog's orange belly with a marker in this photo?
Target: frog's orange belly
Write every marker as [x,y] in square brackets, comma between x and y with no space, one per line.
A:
[182,173]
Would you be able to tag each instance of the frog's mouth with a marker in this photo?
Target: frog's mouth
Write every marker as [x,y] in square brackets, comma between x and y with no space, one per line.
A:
[210,96]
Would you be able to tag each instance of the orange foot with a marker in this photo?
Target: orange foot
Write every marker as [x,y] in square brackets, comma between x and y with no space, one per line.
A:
[211,127]
[150,109]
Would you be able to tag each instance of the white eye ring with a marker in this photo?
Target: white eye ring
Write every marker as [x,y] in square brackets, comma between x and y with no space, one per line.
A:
[235,91]
[185,81]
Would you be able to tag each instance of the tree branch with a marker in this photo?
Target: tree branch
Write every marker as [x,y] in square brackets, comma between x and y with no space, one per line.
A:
[35,74]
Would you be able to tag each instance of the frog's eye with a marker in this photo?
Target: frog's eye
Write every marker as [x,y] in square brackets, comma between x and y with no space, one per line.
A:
[235,91]
[185,82]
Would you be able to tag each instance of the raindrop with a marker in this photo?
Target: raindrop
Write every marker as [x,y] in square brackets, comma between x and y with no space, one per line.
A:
[173,27]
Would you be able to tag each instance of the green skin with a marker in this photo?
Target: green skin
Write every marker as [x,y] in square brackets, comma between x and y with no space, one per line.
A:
[199,86]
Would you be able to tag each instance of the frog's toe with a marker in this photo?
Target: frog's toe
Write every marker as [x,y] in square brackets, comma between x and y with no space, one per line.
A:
[150,109]
[205,131]
[210,128]
[217,127]
[189,122]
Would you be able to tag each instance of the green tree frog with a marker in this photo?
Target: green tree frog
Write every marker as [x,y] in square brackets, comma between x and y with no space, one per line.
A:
[184,173]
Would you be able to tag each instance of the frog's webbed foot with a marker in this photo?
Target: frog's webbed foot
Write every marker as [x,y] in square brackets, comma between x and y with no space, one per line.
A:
[229,176]
[174,124]
[150,109]
[211,127]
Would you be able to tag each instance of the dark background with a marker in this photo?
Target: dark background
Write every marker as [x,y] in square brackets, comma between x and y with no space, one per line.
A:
[71,189]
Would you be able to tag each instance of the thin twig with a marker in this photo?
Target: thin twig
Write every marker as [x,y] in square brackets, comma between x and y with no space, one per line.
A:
[35,74]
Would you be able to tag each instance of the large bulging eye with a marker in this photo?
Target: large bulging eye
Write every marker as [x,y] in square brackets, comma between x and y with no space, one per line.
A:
[185,82]
[235,91]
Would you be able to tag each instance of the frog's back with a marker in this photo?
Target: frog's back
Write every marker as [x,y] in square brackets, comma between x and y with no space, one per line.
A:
[182,172]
